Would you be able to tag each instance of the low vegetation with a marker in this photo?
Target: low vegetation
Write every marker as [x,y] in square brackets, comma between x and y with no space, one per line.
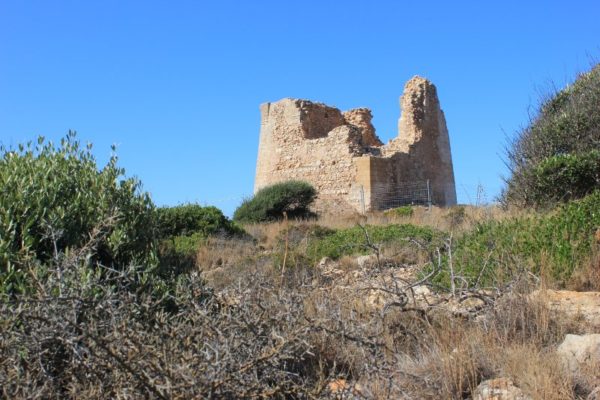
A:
[554,243]
[404,211]
[189,219]
[365,240]
[274,333]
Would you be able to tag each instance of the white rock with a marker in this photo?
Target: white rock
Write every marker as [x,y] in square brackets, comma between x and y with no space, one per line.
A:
[577,350]
[499,389]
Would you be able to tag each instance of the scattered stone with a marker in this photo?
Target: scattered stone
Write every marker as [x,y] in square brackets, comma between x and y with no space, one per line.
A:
[329,270]
[325,263]
[421,291]
[337,385]
[499,389]
[580,350]
[229,298]
[381,289]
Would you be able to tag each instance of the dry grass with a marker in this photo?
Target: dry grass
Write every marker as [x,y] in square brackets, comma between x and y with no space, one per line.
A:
[225,252]
[515,341]
[441,356]
[456,219]
[277,338]
[267,234]
[257,331]
[587,278]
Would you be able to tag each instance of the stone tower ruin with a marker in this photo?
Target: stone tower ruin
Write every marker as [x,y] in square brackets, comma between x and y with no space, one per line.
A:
[342,157]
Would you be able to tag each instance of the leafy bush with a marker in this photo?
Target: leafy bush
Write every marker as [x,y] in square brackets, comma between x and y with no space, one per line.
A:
[53,198]
[353,241]
[182,229]
[269,203]
[557,243]
[177,254]
[404,211]
[567,123]
[188,219]
[564,177]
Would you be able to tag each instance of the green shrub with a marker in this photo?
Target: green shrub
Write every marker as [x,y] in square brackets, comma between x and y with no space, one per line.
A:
[299,238]
[177,254]
[567,123]
[54,198]
[565,177]
[269,203]
[352,241]
[182,229]
[188,219]
[558,242]
[404,211]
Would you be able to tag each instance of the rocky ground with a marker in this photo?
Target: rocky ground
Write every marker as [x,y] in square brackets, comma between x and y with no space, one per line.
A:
[375,285]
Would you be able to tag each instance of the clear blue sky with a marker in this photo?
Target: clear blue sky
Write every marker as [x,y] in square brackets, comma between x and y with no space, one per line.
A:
[177,84]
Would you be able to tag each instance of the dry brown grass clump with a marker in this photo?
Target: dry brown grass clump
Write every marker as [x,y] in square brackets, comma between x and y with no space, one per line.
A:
[587,278]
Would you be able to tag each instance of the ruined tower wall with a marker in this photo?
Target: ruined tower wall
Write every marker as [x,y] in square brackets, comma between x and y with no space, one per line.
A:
[377,177]
[423,136]
[342,157]
[310,142]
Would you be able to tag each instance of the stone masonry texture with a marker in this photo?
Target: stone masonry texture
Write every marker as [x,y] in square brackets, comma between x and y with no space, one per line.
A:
[342,157]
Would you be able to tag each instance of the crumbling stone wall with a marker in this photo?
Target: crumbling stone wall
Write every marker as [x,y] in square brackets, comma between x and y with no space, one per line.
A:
[340,154]
[361,118]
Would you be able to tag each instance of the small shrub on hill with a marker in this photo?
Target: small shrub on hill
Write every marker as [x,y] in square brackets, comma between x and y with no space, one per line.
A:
[293,242]
[456,216]
[564,177]
[404,211]
[271,202]
[177,254]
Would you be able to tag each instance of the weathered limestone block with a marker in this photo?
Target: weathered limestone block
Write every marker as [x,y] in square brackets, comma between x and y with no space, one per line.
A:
[580,350]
